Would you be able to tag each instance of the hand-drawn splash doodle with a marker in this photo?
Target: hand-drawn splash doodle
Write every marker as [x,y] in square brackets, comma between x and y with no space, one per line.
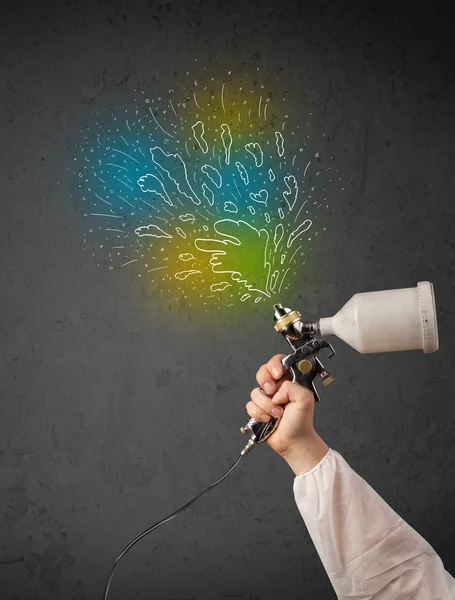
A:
[203,192]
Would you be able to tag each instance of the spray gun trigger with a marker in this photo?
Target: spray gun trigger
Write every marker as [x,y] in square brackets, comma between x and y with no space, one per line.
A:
[328,345]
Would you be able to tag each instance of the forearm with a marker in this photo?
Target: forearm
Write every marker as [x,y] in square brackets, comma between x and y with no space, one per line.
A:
[367,549]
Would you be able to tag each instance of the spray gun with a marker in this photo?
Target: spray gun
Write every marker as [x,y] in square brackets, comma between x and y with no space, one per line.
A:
[385,321]
[303,363]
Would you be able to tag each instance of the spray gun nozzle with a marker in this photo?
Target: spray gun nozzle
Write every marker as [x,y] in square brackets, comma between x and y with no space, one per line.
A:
[279,311]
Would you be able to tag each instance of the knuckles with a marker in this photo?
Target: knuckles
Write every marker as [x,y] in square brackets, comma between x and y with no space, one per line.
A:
[275,361]
[260,372]
[265,371]
[297,391]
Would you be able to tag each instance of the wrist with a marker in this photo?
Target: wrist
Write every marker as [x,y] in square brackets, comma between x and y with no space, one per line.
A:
[305,453]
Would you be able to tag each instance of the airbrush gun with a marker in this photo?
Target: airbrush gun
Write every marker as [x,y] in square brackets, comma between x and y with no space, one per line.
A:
[384,321]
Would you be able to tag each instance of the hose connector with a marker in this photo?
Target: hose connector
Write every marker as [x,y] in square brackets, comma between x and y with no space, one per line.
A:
[250,445]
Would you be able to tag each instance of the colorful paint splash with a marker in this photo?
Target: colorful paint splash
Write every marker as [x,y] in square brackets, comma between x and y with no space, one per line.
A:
[202,192]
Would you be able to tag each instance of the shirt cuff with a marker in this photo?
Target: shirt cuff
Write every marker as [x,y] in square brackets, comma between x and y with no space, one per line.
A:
[320,464]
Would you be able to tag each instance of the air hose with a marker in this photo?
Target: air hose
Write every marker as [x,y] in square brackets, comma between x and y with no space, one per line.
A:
[165,520]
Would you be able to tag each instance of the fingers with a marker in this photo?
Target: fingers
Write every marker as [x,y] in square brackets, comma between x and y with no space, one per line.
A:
[266,381]
[293,392]
[269,375]
[261,406]
[275,391]
[275,366]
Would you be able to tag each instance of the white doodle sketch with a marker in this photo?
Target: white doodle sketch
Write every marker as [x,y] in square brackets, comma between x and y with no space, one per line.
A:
[222,248]
[290,195]
[213,174]
[180,232]
[187,217]
[151,183]
[220,287]
[255,150]
[208,194]
[261,197]
[152,231]
[279,143]
[198,134]
[242,172]
[186,256]
[230,207]
[185,274]
[302,228]
[227,142]
[217,191]
[159,157]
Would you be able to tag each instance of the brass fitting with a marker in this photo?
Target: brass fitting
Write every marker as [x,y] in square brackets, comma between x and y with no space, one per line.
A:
[287,320]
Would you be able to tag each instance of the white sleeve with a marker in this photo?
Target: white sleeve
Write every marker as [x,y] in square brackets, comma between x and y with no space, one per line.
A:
[367,549]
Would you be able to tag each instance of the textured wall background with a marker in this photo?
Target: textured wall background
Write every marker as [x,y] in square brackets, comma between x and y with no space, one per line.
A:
[110,417]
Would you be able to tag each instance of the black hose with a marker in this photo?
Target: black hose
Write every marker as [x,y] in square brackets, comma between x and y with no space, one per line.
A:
[169,518]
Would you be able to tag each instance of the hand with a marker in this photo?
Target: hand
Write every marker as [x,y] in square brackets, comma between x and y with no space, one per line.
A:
[295,438]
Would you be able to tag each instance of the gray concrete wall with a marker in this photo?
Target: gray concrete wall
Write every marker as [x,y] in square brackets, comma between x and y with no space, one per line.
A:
[111,417]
